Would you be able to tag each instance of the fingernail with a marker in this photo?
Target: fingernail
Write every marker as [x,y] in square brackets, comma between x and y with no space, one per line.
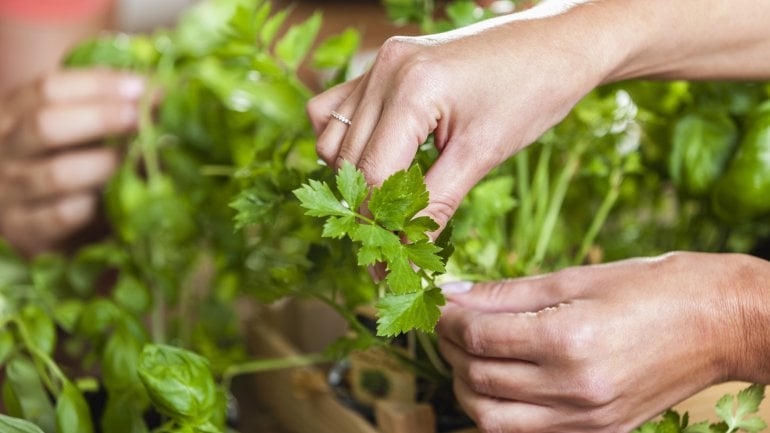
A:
[131,87]
[456,287]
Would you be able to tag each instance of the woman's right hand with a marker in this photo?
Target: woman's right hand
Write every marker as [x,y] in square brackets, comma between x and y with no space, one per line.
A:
[486,91]
[52,163]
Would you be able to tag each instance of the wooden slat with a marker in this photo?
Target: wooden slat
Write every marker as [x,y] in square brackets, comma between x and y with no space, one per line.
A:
[299,408]
[399,417]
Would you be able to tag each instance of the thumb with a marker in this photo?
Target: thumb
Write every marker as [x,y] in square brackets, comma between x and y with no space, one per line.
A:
[521,295]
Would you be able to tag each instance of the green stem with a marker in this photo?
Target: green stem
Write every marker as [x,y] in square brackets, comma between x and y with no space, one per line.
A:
[524,211]
[218,170]
[555,205]
[433,356]
[40,356]
[148,134]
[157,315]
[261,365]
[540,195]
[616,179]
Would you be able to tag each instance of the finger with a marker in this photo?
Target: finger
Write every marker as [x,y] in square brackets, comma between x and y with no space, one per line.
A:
[329,142]
[33,229]
[319,107]
[394,141]
[78,85]
[495,377]
[520,336]
[515,296]
[61,174]
[59,126]
[457,170]
[358,134]
[495,415]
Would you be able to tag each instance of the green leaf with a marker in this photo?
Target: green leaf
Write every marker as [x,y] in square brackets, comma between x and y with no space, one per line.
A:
[399,314]
[399,198]
[39,327]
[368,255]
[270,29]
[464,12]
[254,205]
[67,314]
[119,360]
[352,185]
[295,44]
[701,427]
[97,316]
[336,51]
[320,201]
[338,227]
[48,272]
[736,411]
[179,382]
[401,277]
[425,255]
[12,268]
[203,27]
[131,294]
[7,346]
[15,425]
[124,412]
[72,412]
[417,229]
[29,396]
[375,236]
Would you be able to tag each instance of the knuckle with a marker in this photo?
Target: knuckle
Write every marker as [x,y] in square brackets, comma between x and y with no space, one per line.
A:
[473,338]
[578,343]
[490,422]
[393,48]
[478,378]
[314,108]
[370,168]
[593,390]
[442,207]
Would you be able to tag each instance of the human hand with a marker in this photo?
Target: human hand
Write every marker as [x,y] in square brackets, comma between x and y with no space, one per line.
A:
[604,348]
[485,91]
[51,166]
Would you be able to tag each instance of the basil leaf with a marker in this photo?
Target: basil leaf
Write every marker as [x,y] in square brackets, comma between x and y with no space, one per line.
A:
[15,425]
[72,412]
[180,383]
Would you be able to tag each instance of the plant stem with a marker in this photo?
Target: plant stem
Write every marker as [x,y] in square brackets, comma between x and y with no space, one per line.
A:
[41,356]
[261,365]
[157,315]
[433,356]
[616,179]
[555,204]
[524,211]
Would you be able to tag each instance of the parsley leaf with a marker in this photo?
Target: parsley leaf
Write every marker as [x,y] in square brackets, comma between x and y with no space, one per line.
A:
[736,411]
[392,235]
[320,201]
[401,313]
[399,198]
[352,185]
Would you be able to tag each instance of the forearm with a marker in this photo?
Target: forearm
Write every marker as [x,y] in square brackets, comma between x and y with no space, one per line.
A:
[683,39]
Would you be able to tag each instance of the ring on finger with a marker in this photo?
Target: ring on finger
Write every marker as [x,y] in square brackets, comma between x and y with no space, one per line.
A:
[341,118]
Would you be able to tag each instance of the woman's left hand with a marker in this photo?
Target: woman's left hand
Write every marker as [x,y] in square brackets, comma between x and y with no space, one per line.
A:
[604,348]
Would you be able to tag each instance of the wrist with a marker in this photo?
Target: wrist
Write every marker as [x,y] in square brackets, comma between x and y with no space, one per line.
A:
[748,359]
